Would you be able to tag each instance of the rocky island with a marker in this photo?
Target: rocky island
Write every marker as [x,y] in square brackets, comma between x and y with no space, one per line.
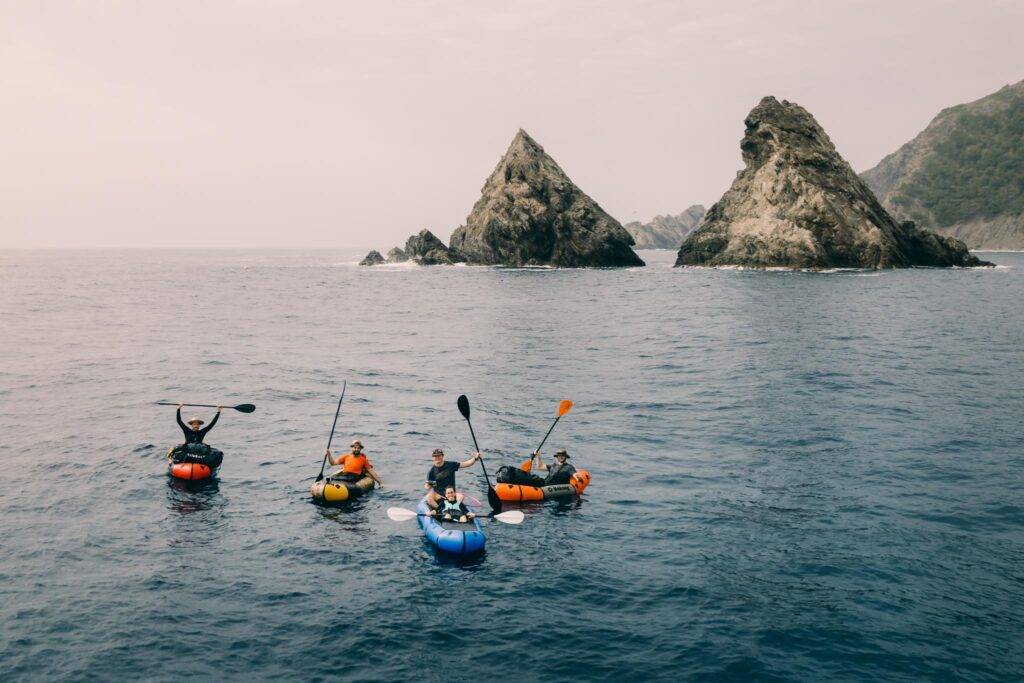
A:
[424,248]
[372,259]
[798,204]
[531,214]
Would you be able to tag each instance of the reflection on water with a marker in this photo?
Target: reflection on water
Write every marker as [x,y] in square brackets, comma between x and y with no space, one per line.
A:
[189,497]
[443,559]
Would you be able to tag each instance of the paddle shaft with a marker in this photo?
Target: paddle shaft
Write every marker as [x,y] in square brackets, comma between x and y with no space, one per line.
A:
[477,447]
[544,440]
[198,405]
[492,496]
[441,519]
[344,386]
[509,517]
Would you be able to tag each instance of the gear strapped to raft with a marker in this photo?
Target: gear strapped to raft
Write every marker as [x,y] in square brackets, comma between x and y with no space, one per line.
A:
[509,474]
[199,453]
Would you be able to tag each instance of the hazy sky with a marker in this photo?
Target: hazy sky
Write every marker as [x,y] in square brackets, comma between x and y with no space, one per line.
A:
[356,124]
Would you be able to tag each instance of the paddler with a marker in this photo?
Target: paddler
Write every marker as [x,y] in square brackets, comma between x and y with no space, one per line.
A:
[193,429]
[442,475]
[451,508]
[560,471]
[354,465]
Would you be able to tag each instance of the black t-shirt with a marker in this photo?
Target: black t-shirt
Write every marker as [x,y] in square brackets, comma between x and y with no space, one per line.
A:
[443,476]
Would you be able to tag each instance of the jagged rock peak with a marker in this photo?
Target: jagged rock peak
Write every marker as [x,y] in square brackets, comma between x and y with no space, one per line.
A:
[531,213]
[798,204]
[427,250]
[397,255]
[665,232]
[372,259]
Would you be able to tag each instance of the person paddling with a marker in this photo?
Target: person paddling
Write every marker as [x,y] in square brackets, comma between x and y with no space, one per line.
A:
[354,465]
[560,471]
[451,508]
[442,475]
[194,430]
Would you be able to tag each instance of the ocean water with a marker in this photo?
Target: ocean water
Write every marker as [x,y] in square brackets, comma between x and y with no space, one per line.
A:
[796,476]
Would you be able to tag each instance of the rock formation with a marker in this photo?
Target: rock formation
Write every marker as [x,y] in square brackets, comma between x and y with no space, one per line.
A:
[396,255]
[798,204]
[961,176]
[665,232]
[530,213]
[427,250]
[372,259]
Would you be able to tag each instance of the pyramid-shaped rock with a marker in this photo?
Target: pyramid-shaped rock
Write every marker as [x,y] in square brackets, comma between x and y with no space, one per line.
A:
[426,249]
[531,214]
[798,204]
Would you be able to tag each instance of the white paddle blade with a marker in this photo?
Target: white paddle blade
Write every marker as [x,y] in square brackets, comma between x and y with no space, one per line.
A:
[510,517]
[401,514]
[470,500]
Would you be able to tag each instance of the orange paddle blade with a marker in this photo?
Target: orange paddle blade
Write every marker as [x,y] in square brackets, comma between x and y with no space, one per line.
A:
[527,465]
[564,407]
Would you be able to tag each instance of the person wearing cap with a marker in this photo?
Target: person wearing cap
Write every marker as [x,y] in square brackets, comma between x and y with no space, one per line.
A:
[354,465]
[560,471]
[193,429]
[442,475]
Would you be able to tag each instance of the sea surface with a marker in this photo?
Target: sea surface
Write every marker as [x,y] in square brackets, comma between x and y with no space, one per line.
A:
[796,476]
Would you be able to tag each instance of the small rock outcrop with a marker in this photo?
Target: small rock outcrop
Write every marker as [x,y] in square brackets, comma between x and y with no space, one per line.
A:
[427,250]
[372,259]
[531,214]
[397,255]
[798,204]
[665,232]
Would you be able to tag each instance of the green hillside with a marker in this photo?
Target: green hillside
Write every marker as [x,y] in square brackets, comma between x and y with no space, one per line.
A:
[964,174]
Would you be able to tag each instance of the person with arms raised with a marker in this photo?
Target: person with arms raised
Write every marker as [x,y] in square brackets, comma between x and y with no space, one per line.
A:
[194,431]
[442,475]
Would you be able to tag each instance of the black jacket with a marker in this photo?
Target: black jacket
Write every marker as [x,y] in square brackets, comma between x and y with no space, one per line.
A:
[192,435]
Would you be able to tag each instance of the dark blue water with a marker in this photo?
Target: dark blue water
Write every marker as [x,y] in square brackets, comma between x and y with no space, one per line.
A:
[809,476]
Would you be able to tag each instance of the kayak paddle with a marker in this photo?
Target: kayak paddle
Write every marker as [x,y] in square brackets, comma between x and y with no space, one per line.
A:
[404,515]
[242,407]
[331,437]
[492,495]
[563,408]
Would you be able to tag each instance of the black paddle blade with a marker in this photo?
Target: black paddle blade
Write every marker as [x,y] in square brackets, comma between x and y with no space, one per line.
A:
[493,500]
[463,403]
[245,408]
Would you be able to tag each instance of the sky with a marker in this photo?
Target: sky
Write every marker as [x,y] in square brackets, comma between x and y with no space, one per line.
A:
[355,124]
